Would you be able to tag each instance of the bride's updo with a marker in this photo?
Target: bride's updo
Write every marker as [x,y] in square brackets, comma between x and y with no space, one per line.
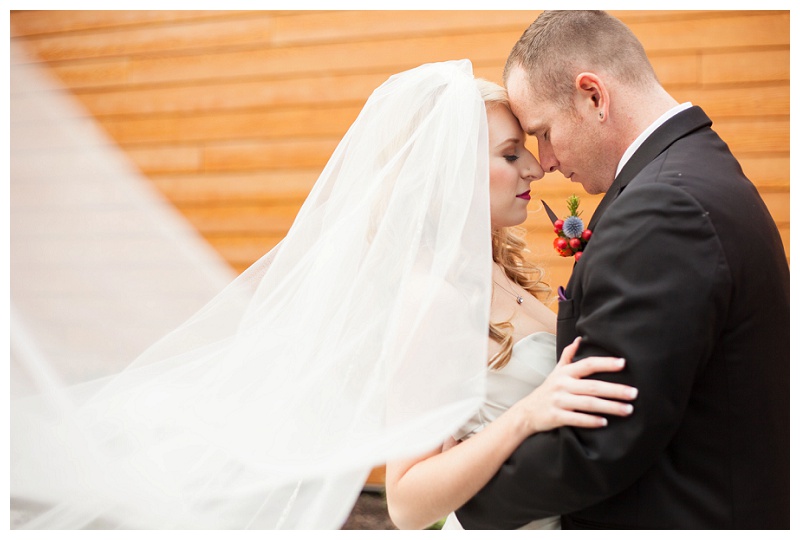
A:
[508,250]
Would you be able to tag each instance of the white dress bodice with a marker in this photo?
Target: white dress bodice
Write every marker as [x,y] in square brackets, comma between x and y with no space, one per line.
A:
[532,359]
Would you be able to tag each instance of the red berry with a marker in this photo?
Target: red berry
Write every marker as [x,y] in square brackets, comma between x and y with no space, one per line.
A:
[558,225]
[575,244]
[586,234]
[561,244]
[578,256]
[566,252]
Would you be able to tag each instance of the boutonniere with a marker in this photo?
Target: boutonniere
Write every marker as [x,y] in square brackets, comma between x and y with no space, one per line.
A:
[571,235]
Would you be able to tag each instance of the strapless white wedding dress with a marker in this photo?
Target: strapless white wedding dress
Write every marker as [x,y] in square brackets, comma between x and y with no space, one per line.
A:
[532,359]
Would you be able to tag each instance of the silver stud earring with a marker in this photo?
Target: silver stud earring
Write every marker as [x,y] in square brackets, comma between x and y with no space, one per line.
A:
[601,115]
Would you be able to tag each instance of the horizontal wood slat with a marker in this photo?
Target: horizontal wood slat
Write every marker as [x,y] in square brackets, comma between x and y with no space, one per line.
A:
[743,31]
[754,136]
[164,159]
[279,154]
[200,29]
[749,66]
[309,91]
[269,124]
[720,103]
[114,42]
[767,172]
[27,23]
[258,186]
[246,219]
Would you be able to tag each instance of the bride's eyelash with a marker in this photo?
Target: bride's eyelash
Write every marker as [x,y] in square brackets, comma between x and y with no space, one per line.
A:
[511,157]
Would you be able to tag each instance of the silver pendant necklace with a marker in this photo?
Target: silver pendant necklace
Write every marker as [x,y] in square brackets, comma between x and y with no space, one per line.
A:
[515,295]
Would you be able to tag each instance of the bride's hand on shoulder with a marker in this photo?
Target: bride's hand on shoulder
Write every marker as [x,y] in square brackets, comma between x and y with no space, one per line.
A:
[567,398]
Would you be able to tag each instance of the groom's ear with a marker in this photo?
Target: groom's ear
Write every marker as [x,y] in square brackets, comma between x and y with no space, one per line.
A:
[592,95]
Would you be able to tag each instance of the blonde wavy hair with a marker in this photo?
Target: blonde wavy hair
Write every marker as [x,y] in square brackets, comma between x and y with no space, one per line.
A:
[508,251]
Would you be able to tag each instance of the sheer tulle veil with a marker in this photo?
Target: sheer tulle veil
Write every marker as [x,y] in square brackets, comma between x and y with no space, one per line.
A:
[360,338]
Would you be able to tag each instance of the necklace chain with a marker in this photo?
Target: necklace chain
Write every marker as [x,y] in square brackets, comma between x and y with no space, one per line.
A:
[515,295]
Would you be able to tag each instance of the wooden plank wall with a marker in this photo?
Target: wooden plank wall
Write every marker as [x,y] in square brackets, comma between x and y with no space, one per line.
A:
[232,114]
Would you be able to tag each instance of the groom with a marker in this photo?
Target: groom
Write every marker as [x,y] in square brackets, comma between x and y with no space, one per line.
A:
[685,276]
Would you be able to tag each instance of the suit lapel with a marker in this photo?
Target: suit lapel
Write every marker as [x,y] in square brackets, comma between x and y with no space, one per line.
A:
[662,138]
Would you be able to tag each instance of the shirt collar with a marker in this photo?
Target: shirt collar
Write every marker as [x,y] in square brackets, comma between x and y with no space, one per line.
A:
[647,132]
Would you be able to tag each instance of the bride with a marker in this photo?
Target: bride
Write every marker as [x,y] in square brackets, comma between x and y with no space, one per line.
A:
[359,340]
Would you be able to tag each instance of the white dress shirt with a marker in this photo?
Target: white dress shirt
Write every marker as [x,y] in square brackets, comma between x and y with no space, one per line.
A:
[647,132]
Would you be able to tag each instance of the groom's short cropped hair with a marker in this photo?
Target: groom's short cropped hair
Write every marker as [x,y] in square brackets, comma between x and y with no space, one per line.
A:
[560,44]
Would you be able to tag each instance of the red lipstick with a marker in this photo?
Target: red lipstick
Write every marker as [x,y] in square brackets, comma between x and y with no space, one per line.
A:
[526,196]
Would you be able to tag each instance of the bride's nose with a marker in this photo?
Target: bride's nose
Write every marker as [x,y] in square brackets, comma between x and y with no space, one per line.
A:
[533,170]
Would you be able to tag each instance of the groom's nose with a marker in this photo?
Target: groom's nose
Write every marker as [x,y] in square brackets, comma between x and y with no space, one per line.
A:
[548,158]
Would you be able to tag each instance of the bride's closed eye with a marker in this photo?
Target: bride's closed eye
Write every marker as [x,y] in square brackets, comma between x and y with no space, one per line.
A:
[511,157]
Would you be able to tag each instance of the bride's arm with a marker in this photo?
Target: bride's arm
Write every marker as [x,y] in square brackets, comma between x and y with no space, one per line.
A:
[422,490]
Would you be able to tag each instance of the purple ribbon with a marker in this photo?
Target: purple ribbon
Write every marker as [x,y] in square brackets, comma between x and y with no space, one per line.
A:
[562,294]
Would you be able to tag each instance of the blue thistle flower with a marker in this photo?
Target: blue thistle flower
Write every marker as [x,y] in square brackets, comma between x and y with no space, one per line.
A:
[573,227]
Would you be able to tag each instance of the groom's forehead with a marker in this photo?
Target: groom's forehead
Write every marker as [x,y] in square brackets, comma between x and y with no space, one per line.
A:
[517,83]
[533,116]
[531,110]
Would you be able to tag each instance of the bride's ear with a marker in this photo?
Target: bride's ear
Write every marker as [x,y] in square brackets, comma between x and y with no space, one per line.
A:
[592,96]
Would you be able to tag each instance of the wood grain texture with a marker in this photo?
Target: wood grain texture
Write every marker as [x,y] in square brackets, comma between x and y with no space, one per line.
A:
[233,114]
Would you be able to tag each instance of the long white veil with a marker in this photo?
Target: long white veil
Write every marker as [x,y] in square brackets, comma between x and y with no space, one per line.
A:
[359,339]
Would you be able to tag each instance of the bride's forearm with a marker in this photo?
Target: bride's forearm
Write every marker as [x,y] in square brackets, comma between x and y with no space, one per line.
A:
[423,491]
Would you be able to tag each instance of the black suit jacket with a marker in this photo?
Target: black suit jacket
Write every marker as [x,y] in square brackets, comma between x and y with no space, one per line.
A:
[686,277]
